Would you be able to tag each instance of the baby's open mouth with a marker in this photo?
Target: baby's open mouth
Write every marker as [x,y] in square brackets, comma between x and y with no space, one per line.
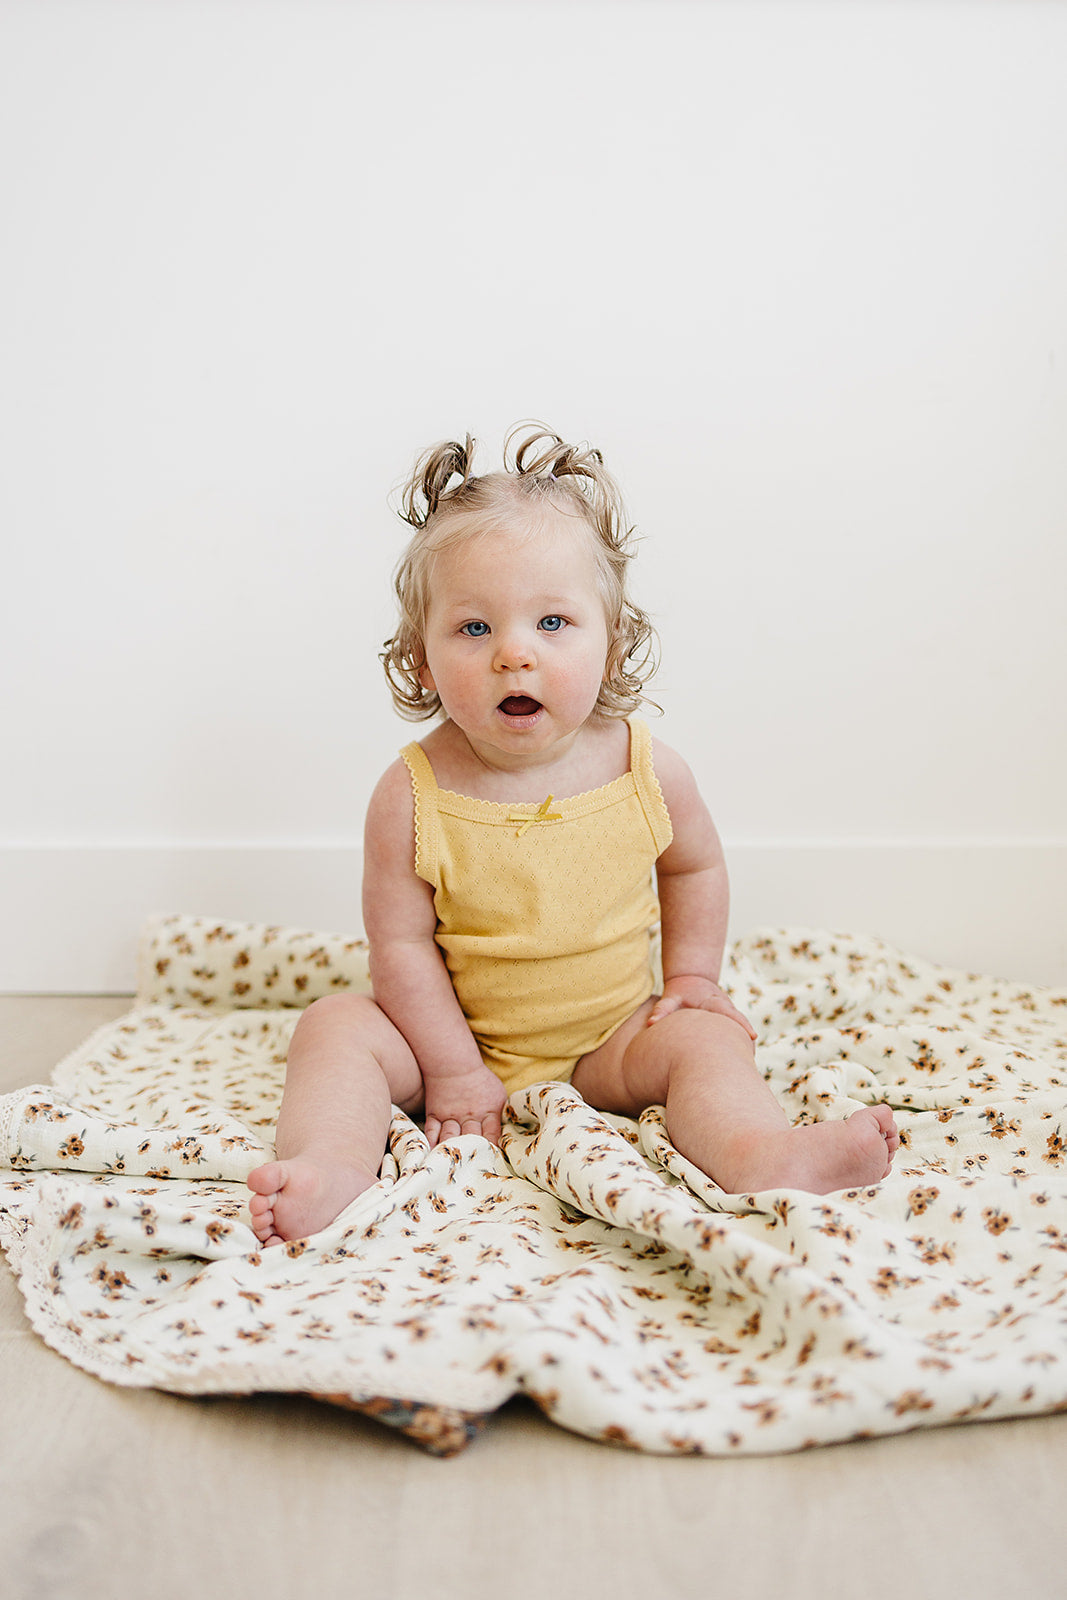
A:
[519,705]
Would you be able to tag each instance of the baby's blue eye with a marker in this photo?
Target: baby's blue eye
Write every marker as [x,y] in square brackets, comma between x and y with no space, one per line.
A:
[552,624]
[475,630]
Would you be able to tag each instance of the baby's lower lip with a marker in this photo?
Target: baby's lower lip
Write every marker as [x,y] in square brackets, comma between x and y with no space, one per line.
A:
[519,705]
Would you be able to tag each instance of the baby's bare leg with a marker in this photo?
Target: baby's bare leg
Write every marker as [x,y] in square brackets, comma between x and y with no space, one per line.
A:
[347,1067]
[722,1115]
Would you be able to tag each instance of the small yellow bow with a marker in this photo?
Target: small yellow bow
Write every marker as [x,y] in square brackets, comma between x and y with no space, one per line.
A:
[543,814]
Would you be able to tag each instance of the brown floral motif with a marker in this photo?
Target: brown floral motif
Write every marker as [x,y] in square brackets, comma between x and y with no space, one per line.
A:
[919,1199]
[931,1251]
[911,1400]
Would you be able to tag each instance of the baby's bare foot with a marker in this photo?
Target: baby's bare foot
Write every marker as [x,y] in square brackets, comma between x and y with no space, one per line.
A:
[823,1156]
[292,1199]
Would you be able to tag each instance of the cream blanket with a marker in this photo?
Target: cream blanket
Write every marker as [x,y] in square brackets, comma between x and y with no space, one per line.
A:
[585,1263]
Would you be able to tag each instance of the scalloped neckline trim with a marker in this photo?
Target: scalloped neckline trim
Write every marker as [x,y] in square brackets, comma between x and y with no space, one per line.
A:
[532,805]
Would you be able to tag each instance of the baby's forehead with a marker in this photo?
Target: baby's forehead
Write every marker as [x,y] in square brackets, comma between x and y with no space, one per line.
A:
[520,522]
[549,567]
[555,550]
[541,553]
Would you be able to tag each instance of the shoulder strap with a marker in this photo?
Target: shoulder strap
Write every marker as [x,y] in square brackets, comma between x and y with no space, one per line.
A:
[648,790]
[424,792]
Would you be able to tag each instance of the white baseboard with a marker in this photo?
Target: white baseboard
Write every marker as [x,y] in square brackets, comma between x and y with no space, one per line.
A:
[998,907]
[71,915]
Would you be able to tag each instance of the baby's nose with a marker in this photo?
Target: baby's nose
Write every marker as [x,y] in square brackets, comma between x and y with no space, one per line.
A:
[514,650]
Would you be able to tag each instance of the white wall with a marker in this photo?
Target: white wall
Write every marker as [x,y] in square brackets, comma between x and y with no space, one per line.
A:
[799,269]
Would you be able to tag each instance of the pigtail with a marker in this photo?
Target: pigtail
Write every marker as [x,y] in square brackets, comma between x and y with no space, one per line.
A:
[542,460]
[543,452]
[429,482]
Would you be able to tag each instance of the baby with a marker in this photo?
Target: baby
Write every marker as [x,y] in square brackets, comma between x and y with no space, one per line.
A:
[518,862]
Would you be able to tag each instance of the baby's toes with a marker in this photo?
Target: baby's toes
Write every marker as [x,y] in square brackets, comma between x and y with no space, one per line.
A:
[887,1123]
[267,1179]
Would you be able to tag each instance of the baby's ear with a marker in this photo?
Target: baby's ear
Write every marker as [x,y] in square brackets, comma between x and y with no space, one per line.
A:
[426,679]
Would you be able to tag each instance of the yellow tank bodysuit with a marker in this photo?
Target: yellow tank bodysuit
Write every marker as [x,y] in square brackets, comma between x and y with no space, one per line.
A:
[546,915]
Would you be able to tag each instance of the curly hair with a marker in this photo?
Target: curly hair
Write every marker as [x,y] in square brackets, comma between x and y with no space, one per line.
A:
[542,474]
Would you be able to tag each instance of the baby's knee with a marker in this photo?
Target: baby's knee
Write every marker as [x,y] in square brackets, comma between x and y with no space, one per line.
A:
[709,1034]
[345,1011]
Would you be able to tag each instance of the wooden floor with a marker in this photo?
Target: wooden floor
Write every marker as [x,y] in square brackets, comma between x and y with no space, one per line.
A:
[119,1492]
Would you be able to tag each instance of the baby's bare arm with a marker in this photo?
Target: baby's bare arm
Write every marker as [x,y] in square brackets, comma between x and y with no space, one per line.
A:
[410,980]
[694,896]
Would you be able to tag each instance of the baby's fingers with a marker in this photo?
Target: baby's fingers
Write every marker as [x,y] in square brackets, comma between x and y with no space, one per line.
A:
[488,1126]
[739,1016]
[451,1127]
[724,1007]
[663,1008]
[447,1128]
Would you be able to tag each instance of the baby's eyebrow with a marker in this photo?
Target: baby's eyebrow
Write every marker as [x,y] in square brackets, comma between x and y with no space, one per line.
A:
[544,605]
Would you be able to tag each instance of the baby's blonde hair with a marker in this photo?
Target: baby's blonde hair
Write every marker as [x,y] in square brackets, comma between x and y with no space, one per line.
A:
[541,474]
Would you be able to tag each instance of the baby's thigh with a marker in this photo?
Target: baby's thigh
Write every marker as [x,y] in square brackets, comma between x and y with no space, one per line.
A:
[602,1079]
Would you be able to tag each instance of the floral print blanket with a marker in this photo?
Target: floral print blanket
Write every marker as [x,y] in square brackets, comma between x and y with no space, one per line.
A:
[584,1263]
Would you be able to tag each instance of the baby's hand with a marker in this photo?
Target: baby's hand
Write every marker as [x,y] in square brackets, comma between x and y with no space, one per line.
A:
[699,994]
[470,1102]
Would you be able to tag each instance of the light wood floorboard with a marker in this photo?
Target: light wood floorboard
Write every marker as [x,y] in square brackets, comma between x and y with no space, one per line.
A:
[121,1492]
